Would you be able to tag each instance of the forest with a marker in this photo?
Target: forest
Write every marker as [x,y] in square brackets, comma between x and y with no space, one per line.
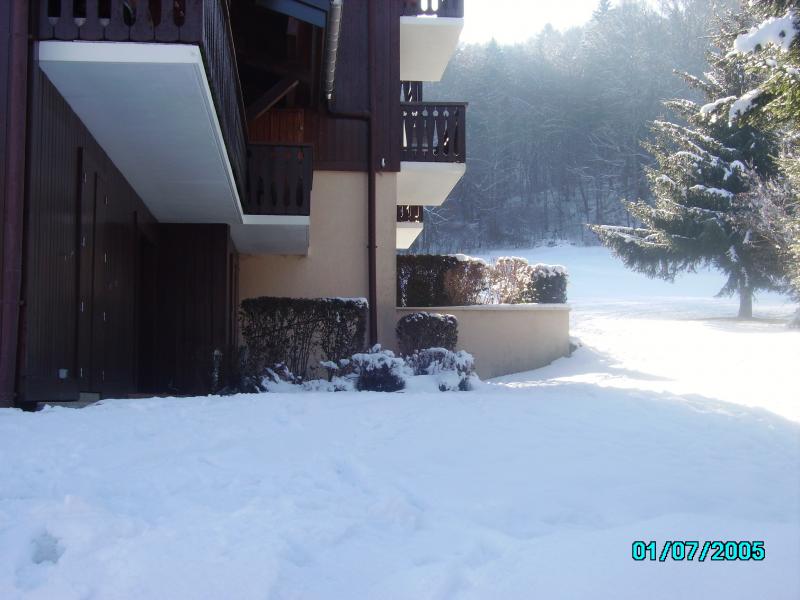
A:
[556,125]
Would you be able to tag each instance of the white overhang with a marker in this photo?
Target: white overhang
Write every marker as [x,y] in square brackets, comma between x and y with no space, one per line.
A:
[427,184]
[426,46]
[407,233]
[150,107]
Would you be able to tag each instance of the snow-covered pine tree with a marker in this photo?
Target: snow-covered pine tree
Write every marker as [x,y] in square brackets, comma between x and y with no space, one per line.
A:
[770,51]
[701,167]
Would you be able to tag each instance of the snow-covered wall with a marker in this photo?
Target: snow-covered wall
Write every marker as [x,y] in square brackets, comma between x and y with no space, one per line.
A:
[507,339]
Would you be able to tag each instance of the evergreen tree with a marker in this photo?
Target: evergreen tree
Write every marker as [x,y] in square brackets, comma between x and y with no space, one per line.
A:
[770,51]
[603,7]
[696,220]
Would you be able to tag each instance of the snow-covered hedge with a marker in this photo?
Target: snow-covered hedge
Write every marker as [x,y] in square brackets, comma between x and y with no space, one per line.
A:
[426,280]
[426,330]
[290,331]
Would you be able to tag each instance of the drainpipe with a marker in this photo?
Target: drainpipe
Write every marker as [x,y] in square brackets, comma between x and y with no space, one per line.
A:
[368,118]
[16,121]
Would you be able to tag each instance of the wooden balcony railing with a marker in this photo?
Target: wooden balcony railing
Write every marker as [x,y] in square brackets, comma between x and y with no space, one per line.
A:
[434,8]
[410,214]
[411,91]
[279,180]
[434,132]
[205,23]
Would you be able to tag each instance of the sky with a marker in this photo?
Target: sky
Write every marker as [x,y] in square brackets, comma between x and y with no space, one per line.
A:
[511,21]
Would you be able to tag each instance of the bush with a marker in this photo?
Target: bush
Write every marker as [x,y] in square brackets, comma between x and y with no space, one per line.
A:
[510,279]
[466,283]
[378,371]
[454,371]
[548,285]
[289,331]
[421,279]
[426,330]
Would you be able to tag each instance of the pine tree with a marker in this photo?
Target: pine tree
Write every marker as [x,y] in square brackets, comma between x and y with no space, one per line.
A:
[696,221]
[603,8]
[770,51]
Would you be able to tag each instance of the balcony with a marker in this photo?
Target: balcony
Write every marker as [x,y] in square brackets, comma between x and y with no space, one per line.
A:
[156,83]
[410,222]
[429,32]
[277,207]
[433,152]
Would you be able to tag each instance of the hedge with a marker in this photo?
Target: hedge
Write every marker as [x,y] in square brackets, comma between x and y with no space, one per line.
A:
[429,280]
[289,331]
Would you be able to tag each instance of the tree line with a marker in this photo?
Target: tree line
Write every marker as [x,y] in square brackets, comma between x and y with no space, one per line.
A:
[555,125]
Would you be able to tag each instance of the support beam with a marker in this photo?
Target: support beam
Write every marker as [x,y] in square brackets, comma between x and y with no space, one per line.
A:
[274,95]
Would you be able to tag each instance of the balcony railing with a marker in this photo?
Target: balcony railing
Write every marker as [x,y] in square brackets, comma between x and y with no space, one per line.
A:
[434,132]
[411,91]
[205,23]
[434,8]
[410,214]
[280,179]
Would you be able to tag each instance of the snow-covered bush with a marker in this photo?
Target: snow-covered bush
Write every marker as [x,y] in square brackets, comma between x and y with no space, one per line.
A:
[292,331]
[453,371]
[510,279]
[548,285]
[426,330]
[378,371]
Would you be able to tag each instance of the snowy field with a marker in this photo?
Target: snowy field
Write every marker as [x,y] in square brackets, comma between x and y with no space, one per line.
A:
[671,423]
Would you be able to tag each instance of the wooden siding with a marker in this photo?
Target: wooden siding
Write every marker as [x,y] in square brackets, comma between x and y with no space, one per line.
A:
[342,144]
[67,166]
[278,126]
[115,303]
[196,279]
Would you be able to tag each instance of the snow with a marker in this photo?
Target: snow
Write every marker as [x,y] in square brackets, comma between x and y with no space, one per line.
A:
[671,422]
[744,105]
[776,31]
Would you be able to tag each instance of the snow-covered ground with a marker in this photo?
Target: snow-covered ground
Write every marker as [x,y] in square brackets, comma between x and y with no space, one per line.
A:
[671,423]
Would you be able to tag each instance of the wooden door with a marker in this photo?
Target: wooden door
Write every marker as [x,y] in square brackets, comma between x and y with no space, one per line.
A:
[86,259]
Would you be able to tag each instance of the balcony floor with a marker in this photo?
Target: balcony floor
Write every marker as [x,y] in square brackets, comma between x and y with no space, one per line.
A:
[427,184]
[150,107]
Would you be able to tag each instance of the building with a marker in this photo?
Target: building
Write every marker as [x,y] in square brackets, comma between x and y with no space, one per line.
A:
[163,159]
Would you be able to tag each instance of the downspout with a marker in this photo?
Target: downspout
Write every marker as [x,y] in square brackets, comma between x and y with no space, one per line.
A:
[368,118]
[16,121]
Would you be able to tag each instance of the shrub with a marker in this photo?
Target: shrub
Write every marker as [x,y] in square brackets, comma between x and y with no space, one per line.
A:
[426,330]
[548,285]
[378,371]
[454,371]
[509,281]
[290,331]
[421,279]
[466,283]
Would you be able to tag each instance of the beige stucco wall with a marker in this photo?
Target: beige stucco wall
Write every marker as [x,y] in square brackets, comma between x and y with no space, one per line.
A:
[336,263]
[509,339]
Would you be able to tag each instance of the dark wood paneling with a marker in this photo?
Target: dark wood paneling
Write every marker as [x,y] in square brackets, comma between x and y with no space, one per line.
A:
[55,221]
[342,144]
[194,305]
[5,57]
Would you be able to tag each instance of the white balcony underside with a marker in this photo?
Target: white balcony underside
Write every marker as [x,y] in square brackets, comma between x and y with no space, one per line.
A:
[426,46]
[150,107]
[427,184]
[407,233]
[272,235]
